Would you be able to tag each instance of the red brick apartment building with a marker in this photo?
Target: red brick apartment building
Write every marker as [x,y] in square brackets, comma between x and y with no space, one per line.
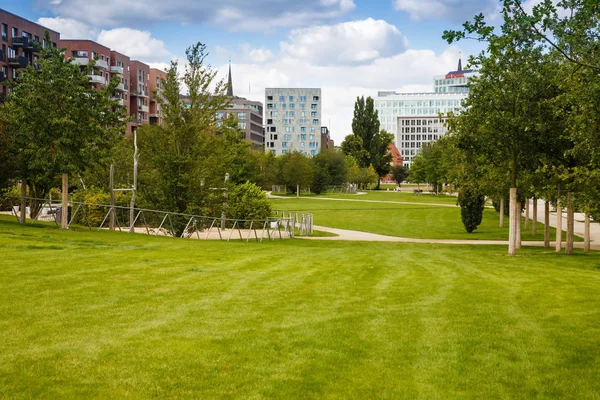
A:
[396,160]
[21,42]
[137,80]
[156,78]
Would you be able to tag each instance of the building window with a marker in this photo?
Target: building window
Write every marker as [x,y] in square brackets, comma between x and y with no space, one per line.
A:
[313,114]
[242,125]
[4,32]
[313,106]
[315,98]
[291,98]
[241,115]
[291,106]
[270,98]
[315,122]
[282,98]
[302,129]
[15,32]
[270,106]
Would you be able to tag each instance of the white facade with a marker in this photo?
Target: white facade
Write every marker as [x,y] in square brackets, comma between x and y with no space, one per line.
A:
[293,120]
[414,118]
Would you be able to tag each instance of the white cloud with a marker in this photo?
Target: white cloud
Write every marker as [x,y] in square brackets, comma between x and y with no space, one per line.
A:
[68,28]
[453,10]
[355,42]
[138,45]
[408,71]
[235,15]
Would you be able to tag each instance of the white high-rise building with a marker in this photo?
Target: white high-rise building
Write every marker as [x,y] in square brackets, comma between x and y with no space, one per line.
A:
[414,118]
[293,120]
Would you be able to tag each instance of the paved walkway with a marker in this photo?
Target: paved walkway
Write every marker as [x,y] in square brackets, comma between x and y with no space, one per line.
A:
[350,235]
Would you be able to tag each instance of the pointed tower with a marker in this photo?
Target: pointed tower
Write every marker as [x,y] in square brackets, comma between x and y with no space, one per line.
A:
[459,63]
[229,82]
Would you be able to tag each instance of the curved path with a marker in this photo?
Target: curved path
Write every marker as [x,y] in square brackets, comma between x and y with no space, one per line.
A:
[344,234]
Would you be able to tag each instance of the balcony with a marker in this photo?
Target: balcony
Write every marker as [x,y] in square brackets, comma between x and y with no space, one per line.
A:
[18,62]
[116,69]
[20,42]
[142,93]
[133,92]
[143,108]
[96,79]
[101,64]
[120,102]
[121,88]
[81,60]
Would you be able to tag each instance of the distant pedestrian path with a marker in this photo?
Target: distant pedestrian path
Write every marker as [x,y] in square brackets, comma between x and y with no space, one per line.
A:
[358,236]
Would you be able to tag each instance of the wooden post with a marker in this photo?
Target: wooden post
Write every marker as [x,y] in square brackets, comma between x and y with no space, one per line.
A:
[547,224]
[502,212]
[512,232]
[297,190]
[570,224]
[586,235]
[535,217]
[518,236]
[111,223]
[23,206]
[64,214]
[526,214]
[134,191]
[558,225]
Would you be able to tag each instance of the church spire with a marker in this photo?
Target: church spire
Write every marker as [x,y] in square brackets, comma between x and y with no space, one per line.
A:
[229,82]
[459,63]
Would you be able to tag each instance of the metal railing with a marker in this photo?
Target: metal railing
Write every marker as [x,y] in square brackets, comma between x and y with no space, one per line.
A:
[283,225]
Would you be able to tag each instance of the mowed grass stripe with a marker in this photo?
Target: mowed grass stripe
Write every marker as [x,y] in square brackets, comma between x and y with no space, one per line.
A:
[101,314]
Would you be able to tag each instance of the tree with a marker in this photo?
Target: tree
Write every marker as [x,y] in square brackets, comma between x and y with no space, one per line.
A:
[365,124]
[504,113]
[381,158]
[398,173]
[296,171]
[369,146]
[471,208]
[183,162]
[329,168]
[56,122]
[353,146]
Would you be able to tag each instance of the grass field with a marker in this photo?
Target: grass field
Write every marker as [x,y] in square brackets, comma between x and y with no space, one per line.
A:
[113,315]
[422,221]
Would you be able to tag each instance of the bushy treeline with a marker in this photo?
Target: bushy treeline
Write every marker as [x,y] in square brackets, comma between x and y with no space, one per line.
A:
[529,127]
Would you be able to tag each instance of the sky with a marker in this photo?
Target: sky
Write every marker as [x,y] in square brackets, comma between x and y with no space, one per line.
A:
[348,48]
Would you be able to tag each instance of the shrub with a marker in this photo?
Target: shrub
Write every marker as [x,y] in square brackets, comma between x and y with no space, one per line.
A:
[248,201]
[471,208]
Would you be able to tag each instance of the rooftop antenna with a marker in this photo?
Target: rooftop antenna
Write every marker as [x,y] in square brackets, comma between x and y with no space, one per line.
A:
[459,61]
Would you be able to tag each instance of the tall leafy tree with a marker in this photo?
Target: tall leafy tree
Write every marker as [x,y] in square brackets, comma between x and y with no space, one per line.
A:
[56,123]
[296,171]
[503,119]
[182,159]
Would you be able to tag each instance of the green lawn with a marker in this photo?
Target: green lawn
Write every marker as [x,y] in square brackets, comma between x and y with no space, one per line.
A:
[394,197]
[424,221]
[113,315]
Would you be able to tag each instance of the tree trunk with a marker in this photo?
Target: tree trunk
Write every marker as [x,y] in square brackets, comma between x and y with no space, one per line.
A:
[64,220]
[547,224]
[535,217]
[23,205]
[526,214]
[570,224]
[558,225]
[512,232]
[502,212]
[586,235]
[111,223]
[297,190]
[518,236]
